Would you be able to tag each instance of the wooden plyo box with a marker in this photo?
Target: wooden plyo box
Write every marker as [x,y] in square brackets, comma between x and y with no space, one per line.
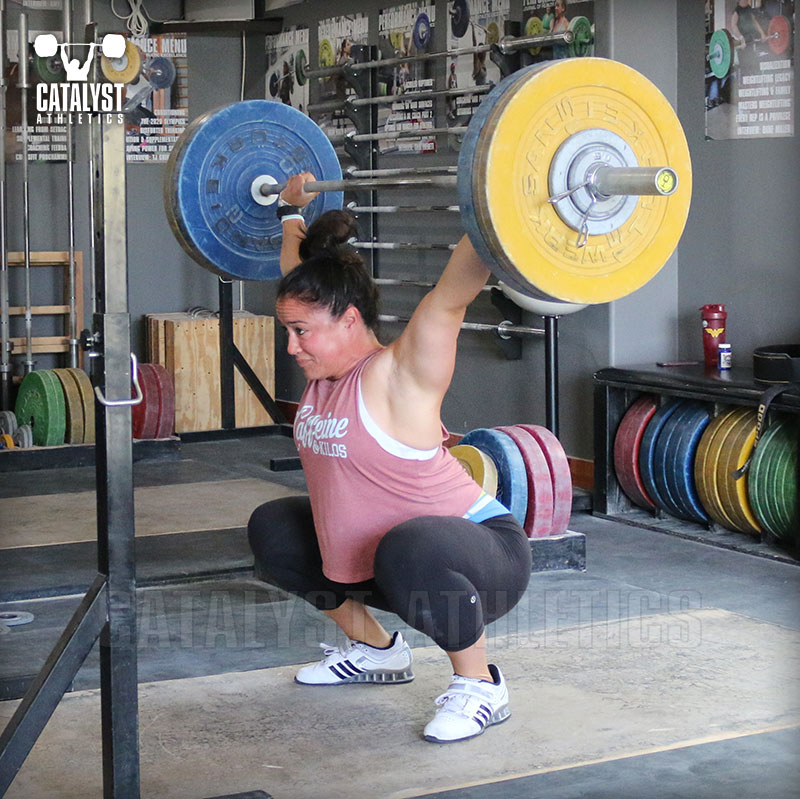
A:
[189,350]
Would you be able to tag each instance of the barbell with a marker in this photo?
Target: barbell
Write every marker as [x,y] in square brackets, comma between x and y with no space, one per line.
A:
[574,182]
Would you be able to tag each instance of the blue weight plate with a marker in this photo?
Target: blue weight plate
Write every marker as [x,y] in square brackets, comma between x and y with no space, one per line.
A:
[160,72]
[680,467]
[648,446]
[421,35]
[208,182]
[662,457]
[466,172]
[512,478]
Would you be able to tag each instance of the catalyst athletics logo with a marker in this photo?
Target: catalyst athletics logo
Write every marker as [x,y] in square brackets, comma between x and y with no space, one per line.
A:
[66,103]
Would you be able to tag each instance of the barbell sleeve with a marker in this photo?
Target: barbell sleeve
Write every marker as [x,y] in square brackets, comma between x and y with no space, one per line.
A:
[637,180]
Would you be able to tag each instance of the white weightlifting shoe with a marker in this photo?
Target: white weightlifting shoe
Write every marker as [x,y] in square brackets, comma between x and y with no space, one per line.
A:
[356,661]
[468,707]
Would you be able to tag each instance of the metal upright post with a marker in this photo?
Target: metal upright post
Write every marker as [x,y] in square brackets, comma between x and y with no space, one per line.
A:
[73,301]
[114,466]
[226,347]
[26,227]
[551,373]
[5,333]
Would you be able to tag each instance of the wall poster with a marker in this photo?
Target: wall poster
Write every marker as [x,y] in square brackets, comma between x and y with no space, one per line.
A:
[472,23]
[336,37]
[156,98]
[406,30]
[287,58]
[749,74]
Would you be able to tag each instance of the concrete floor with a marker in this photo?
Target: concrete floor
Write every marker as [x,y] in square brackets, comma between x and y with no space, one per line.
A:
[668,669]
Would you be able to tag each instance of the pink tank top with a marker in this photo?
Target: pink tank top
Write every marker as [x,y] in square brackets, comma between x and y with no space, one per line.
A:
[358,489]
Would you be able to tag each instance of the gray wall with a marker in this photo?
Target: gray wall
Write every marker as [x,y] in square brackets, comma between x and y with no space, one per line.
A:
[739,246]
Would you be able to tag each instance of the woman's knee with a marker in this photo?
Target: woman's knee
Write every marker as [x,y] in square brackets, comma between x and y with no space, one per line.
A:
[282,527]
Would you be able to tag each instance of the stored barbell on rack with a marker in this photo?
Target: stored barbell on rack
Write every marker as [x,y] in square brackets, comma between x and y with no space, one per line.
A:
[578,39]
[540,154]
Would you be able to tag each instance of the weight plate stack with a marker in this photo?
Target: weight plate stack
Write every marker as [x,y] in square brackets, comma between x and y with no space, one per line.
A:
[478,465]
[560,474]
[720,52]
[8,422]
[539,516]
[421,34]
[144,416]
[761,484]
[459,18]
[680,465]
[126,68]
[779,34]
[512,480]
[23,436]
[166,401]
[663,456]
[50,70]
[733,493]
[74,406]
[772,483]
[86,392]
[210,198]
[627,441]
[528,118]
[160,72]
[707,460]
[327,56]
[534,27]
[300,63]
[647,451]
[40,405]
[581,44]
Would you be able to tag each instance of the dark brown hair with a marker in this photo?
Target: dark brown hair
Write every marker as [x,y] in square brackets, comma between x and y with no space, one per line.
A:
[332,273]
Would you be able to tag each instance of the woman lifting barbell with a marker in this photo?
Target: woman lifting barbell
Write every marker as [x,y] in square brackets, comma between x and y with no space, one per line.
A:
[391,520]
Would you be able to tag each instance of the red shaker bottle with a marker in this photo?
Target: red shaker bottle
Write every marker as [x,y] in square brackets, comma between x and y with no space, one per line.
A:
[714,318]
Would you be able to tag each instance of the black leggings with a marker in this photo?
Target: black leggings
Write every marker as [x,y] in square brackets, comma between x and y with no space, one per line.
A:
[443,575]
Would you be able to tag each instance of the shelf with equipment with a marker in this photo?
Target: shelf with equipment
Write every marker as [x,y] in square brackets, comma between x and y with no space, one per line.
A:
[720,394]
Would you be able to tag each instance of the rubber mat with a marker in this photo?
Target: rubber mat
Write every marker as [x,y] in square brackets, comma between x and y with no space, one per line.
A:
[577,695]
[188,507]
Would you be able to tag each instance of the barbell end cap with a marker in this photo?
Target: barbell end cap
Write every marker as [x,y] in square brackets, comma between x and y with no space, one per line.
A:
[113,46]
[45,45]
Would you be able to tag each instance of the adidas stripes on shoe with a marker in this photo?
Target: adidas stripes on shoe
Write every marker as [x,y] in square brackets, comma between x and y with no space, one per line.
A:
[357,662]
[468,707]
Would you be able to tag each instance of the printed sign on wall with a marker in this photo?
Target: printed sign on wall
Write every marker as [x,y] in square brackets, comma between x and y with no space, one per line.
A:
[287,58]
[156,98]
[337,36]
[749,75]
[406,30]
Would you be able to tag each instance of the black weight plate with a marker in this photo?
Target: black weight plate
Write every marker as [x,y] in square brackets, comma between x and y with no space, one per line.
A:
[459,18]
